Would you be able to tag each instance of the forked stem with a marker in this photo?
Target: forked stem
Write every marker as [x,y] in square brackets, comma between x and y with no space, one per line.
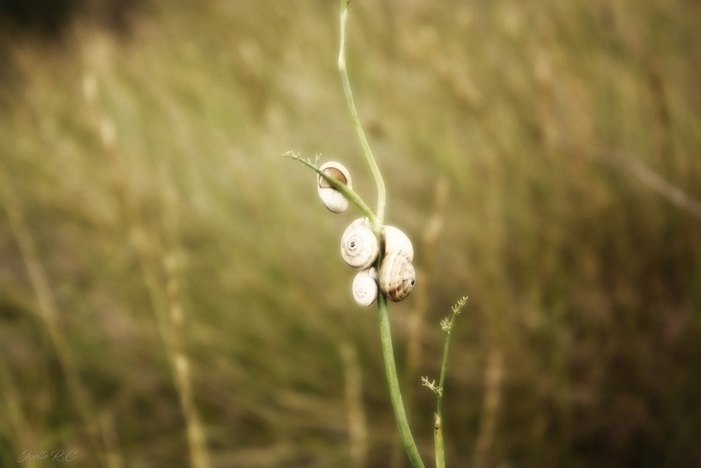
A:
[377,221]
[447,327]
[382,309]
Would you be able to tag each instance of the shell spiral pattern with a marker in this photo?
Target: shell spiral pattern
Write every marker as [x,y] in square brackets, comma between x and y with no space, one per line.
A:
[359,246]
[397,275]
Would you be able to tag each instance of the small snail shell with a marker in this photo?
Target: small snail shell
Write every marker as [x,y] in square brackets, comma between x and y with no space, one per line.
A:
[359,246]
[332,198]
[365,287]
[395,239]
[397,275]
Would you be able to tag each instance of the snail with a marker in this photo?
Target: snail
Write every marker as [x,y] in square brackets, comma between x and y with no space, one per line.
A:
[333,200]
[359,246]
[395,239]
[365,287]
[397,275]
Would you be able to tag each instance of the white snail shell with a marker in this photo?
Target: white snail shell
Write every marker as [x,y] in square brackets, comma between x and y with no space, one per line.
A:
[332,198]
[397,275]
[365,287]
[359,246]
[395,239]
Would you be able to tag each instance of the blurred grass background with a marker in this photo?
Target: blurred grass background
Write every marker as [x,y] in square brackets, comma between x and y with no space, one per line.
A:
[164,271]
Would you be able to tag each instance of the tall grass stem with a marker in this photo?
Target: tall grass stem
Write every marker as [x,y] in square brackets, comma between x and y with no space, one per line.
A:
[382,309]
[49,312]
[377,175]
[447,326]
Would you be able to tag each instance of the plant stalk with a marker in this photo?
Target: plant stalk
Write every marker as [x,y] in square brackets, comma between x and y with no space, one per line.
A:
[447,326]
[378,222]
[374,168]
[393,382]
[438,417]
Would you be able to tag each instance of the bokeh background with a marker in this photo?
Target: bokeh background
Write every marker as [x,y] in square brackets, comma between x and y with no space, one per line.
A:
[171,292]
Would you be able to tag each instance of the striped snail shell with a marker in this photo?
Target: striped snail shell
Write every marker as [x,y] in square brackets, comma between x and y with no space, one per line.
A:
[359,246]
[395,239]
[365,287]
[397,275]
[333,200]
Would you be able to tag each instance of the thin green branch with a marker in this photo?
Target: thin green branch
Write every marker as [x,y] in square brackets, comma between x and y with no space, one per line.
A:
[377,220]
[381,192]
[350,195]
[447,327]
[393,382]
[382,310]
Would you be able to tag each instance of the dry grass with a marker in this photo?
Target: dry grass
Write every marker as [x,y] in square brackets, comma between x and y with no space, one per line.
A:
[147,215]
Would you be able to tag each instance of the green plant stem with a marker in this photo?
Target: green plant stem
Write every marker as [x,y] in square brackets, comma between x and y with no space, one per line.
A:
[381,192]
[447,326]
[438,441]
[393,382]
[352,196]
[377,223]
[438,417]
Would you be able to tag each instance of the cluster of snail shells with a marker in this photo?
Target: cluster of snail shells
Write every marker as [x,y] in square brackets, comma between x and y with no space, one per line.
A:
[360,247]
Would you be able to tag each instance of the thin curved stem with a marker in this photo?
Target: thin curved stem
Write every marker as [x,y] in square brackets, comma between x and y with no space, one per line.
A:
[382,309]
[374,168]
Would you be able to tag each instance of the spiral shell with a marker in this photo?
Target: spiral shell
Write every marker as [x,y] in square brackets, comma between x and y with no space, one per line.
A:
[359,246]
[365,287]
[397,275]
[395,239]
[333,200]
